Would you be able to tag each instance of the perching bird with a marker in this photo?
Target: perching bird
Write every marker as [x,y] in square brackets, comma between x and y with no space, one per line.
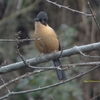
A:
[48,42]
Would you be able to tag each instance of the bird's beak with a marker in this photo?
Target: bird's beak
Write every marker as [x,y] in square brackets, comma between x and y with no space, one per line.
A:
[36,19]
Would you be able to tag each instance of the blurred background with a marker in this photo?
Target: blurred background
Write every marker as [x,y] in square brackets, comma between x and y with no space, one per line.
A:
[71,28]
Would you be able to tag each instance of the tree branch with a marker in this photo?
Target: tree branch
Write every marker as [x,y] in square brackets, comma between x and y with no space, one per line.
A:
[47,69]
[18,40]
[68,8]
[93,15]
[49,86]
[45,58]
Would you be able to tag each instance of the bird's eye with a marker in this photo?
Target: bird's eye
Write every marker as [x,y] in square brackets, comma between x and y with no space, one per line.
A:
[40,20]
[43,21]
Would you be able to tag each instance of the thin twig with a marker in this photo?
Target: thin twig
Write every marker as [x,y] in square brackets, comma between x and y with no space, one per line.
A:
[70,9]
[49,86]
[4,83]
[22,58]
[20,77]
[85,54]
[4,63]
[95,97]
[18,40]
[82,64]
[27,64]
[42,70]
[93,15]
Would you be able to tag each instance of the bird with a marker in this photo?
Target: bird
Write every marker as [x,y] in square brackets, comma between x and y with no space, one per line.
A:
[48,42]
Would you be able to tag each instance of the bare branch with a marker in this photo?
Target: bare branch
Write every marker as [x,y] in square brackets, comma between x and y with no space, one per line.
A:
[47,69]
[45,58]
[95,97]
[4,63]
[85,54]
[4,83]
[94,17]
[20,77]
[68,8]
[49,86]
[18,40]
[28,65]
[82,64]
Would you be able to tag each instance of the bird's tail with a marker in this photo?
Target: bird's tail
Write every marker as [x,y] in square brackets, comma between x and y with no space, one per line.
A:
[60,73]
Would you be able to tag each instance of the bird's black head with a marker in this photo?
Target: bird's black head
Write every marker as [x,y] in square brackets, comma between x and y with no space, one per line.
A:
[42,17]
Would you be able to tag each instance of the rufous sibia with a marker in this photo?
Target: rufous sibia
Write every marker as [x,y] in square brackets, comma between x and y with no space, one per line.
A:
[48,42]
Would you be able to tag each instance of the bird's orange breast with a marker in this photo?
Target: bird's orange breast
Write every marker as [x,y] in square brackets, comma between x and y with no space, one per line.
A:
[48,42]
